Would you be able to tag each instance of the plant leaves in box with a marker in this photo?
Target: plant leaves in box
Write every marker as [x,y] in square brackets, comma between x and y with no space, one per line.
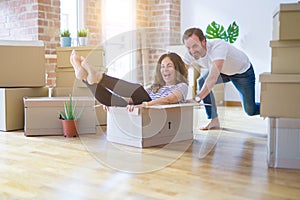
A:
[215,30]
[233,32]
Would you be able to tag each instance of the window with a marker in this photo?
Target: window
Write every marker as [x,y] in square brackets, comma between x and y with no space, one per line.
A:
[118,25]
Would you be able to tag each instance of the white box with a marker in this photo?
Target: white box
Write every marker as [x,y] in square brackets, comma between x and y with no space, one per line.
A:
[280,95]
[12,107]
[285,56]
[155,125]
[22,63]
[284,143]
[286,20]
[42,115]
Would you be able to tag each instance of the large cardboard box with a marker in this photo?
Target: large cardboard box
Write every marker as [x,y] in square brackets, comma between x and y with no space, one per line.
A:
[12,107]
[42,115]
[22,63]
[93,54]
[65,77]
[280,95]
[155,125]
[286,20]
[284,143]
[285,56]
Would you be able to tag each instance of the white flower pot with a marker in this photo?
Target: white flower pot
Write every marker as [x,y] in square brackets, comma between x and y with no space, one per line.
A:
[82,41]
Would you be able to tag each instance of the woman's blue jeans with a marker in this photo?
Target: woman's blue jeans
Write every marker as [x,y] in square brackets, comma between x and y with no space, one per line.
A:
[244,83]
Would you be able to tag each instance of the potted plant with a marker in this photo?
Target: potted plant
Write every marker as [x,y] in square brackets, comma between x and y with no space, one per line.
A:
[65,38]
[82,36]
[70,118]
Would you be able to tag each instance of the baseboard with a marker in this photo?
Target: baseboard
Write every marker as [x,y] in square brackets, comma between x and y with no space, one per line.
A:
[233,103]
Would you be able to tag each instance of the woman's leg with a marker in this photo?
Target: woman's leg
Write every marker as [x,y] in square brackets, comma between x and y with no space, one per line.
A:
[125,89]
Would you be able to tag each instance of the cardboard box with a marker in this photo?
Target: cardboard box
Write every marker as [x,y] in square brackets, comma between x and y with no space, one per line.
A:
[93,54]
[22,63]
[42,115]
[285,56]
[284,143]
[84,92]
[12,107]
[286,24]
[280,95]
[155,125]
[65,77]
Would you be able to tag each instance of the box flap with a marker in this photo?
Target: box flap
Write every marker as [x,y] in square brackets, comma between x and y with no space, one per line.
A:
[287,7]
[22,43]
[56,101]
[279,78]
[285,43]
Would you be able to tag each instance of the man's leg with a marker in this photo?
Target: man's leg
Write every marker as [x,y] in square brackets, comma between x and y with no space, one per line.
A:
[245,84]
[211,110]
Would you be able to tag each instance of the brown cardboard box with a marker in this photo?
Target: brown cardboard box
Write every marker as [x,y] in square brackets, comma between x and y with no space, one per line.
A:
[286,20]
[93,54]
[285,56]
[65,77]
[22,64]
[42,115]
[280,95]
[284,143]
[12,107]
[150,126]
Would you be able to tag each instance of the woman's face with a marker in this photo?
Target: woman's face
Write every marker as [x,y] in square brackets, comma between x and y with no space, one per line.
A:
[168,72]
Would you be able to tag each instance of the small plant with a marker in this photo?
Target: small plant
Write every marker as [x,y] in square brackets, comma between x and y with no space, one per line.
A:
[70,111]
[215,30]
[82,32]
[65,33]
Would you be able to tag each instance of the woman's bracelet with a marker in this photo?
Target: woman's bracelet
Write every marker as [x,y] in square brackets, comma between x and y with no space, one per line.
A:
[145,103]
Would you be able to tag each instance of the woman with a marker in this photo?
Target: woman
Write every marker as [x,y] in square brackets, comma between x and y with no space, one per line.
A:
[169,87]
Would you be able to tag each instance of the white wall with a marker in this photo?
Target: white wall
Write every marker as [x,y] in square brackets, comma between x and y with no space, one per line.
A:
[254,19]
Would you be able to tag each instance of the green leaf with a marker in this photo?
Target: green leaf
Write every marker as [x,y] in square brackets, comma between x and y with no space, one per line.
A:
[215,30]
[233,32]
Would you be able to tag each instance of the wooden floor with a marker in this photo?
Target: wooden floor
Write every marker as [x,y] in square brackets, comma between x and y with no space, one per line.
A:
[220,164]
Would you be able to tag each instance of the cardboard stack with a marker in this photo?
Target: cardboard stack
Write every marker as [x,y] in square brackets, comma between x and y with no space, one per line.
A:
[280,89]
[22,74]
[67,84]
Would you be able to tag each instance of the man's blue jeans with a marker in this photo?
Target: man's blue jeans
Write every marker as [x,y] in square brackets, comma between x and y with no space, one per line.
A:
[244,83]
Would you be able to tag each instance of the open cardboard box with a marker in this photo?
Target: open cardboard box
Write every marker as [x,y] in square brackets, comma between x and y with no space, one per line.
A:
[150,126]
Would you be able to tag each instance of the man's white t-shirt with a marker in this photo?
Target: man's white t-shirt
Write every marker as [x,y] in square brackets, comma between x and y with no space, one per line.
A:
[235,61]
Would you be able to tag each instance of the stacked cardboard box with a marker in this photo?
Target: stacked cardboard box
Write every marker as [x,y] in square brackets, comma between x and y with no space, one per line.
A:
[67,84]
[280,89]
[22,74]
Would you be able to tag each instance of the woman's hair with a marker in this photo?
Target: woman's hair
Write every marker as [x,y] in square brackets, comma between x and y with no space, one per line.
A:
[180,68]
[189,32]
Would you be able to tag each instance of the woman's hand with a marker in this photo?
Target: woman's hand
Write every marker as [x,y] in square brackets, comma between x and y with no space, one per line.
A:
[105,108]
[131,108]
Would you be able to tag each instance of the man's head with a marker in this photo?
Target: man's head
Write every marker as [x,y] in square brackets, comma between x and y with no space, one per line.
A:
[195,41]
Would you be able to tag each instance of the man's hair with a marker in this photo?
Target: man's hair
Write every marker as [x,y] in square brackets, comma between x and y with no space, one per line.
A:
[189,32]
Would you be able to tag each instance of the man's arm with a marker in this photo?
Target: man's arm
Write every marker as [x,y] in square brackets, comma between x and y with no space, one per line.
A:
[211,78]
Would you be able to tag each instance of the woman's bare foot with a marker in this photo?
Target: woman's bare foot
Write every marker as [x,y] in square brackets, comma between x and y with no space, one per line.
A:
[93,76]
[213,124]
[80,72]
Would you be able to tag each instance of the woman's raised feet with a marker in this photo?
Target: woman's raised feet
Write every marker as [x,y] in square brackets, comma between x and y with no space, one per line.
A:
[93,76]
[80,72]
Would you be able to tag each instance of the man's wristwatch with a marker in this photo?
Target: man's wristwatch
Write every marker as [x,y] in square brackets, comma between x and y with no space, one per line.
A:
[197,98]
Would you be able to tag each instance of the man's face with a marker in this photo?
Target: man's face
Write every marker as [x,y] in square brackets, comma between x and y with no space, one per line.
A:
[196,48]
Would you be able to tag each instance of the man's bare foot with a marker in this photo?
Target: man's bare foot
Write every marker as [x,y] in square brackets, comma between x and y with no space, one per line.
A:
[213,124]
[80,72]
[93,76]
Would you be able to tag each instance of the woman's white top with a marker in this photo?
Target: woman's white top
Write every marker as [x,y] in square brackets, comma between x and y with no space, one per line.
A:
[166,90]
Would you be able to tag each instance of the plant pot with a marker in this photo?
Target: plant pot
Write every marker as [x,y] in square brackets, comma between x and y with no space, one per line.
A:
[82,41]
[70,128]
[65,41]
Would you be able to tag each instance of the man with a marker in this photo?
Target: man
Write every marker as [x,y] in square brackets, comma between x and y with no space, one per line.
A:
[225,63]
